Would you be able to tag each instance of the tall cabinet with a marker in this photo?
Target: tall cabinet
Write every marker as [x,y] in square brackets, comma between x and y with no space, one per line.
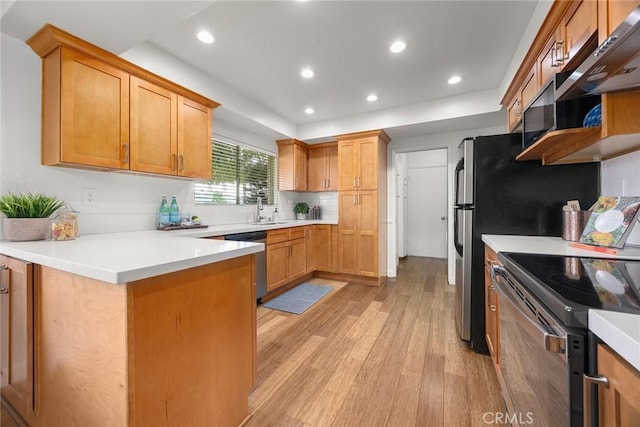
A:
[362,195]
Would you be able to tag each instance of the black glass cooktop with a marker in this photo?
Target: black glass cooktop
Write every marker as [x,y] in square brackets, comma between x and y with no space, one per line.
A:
[569,286]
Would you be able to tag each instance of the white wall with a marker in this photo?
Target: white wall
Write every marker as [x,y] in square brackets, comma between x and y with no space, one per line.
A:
[621,177]
[126,202]
[449,141]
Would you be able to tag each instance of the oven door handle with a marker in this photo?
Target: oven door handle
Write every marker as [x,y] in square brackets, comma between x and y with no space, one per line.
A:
[551,342]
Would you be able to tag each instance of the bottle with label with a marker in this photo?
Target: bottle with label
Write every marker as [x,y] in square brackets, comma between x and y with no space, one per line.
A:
[165,217]
[174,212]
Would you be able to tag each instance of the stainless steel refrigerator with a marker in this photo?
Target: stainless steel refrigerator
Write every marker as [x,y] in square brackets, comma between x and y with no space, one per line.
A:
[495,194]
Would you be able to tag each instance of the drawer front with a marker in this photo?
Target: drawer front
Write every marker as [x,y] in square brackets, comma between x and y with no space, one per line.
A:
[277,236]
[296,233]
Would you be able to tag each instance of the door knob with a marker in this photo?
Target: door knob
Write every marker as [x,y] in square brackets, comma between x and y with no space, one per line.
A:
[442,218]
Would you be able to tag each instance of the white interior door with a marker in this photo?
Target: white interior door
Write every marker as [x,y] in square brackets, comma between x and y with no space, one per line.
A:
[427,212]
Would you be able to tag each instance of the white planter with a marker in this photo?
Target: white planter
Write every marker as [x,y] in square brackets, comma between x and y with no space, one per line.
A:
[300,216]
[23,229]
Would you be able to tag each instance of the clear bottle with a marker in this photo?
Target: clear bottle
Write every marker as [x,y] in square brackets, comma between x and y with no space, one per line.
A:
[165,217]
[275,215]
[174,212]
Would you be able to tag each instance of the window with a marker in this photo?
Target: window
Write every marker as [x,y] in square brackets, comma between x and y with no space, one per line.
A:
[240,175]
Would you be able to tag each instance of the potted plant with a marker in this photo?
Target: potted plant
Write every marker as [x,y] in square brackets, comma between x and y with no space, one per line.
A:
[27,215]
[301,210]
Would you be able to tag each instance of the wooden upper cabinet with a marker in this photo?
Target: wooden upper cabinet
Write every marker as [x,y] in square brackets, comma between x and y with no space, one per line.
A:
[529,88]
[101,111]
[547,64]
[347,165]
[154,136]
[194,139]
[579,24]
[611,13]
[85,105]
[514,112]
[323,167]
[17,334]
[292,165]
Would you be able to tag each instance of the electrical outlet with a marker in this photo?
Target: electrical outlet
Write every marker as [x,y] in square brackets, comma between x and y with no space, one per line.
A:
[89,197]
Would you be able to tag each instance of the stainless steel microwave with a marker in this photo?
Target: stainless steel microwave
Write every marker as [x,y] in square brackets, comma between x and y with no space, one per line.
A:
[543,114]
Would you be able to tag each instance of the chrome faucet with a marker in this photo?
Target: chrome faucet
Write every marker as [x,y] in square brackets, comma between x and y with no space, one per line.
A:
[258,209]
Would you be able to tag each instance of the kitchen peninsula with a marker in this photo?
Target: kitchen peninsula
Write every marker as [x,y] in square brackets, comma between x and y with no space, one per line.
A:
[126,329]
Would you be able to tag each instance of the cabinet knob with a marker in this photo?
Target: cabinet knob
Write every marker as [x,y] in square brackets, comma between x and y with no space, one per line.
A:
[492,307]
[4,291]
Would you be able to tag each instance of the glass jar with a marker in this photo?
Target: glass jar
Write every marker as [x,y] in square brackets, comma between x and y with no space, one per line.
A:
[63,228]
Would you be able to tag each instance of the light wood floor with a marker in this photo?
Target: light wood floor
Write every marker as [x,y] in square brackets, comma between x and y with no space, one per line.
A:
[365,356]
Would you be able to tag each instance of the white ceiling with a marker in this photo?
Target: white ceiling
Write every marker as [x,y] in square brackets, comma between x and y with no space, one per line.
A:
[261,46]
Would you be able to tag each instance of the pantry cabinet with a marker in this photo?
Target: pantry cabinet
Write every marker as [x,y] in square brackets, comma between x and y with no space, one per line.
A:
[362,212]
[102,112]
[292,165]
[323,167]
[17,334]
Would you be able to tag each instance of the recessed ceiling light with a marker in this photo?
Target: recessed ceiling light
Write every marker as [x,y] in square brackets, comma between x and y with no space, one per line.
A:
[205,37]
[309,110]
[454,80]
[397,46]
[307,73]
[372,97]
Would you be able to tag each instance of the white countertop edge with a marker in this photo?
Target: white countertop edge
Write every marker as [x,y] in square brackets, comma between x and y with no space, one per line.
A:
[550,245]
[620,331]
[125,276]
[224,229]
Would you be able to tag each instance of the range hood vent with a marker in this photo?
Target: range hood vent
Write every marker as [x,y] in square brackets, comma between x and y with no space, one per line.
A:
[613,67]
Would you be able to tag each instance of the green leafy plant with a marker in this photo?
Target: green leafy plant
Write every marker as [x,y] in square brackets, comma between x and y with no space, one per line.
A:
[301,207]
[29,205]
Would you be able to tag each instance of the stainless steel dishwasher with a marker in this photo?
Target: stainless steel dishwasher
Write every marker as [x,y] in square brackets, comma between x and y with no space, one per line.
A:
[261,258]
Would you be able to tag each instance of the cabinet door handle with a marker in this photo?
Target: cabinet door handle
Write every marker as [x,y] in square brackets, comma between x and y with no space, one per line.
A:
[358,198]
[354,200]
[174,158]
[492,307]
[358,182]
[4,290]
[328,182]
[354,182]
[560,58]
[126,153]
[587,381]
[181,163]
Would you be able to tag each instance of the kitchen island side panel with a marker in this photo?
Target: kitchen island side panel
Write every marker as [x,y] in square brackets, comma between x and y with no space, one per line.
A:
[80,350]
[192,345]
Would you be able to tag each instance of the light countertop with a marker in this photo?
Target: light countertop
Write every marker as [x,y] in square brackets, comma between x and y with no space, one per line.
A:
[549,245]
[125,257]
[620,331]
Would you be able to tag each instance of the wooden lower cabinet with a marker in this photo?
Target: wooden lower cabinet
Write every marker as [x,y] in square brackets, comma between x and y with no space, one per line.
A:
[323,247]
[492,320]
[287,258]
[175,349]
[619,403]
[16,332]
[310,235]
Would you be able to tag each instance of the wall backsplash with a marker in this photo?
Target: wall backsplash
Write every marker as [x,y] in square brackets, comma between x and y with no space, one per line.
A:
[621,177]
[328,202]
